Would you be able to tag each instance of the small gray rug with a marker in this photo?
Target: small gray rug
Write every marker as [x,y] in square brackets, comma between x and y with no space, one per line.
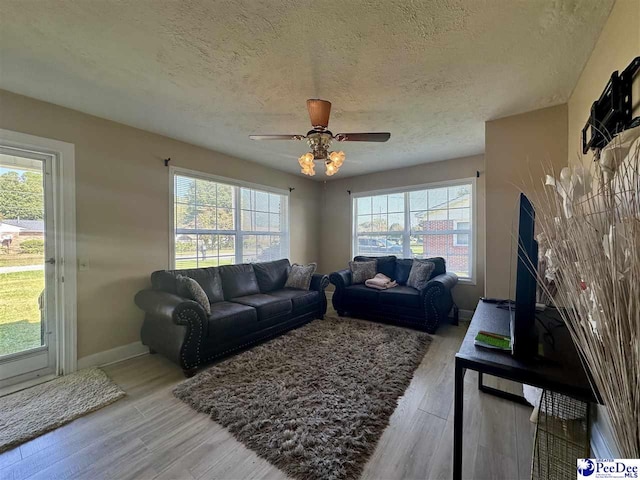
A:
[31,412]
[314,402]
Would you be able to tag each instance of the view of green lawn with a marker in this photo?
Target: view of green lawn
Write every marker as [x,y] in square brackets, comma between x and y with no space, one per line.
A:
[209,262]
[187,259]
[19,312]
[19,259]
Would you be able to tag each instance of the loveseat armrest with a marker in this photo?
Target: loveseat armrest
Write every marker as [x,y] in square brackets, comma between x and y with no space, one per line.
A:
[319,282]
[447,280]
[437,300]
[341,279]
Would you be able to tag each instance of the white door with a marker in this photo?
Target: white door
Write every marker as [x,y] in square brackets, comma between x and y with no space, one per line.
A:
[29,266]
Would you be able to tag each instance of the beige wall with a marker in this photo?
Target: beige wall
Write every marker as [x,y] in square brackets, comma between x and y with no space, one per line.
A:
[617,45]
[122,208]
[335,247]
[517,148]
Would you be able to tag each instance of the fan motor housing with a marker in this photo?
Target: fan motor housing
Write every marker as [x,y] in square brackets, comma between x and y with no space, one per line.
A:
[319,142]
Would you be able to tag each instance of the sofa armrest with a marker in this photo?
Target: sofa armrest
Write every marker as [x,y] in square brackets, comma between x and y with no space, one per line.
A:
[173,326]
[341,279]
[157,303]
[319,282]
[437,299]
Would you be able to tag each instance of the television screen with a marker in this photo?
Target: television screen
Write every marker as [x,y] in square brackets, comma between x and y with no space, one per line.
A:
[524,336]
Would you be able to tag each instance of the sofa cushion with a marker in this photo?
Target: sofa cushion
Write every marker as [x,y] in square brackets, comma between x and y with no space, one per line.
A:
[362,271]
[189,288]
[165,281]
[208,278]
[238,280]
[385,265]
[300,299]
[421,272]
[401,297]
[271,275]
[361,294]
[268,306]
[300,276]
[440,266]
[232,320]
[403,268]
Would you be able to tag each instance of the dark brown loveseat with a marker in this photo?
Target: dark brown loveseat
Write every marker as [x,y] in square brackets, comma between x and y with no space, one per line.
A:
[249,304]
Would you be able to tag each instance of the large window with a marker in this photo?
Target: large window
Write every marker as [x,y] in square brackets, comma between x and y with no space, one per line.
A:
[420,223]
[220,222]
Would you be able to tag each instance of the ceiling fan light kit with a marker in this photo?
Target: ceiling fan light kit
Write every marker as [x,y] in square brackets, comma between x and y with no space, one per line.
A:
[320,139]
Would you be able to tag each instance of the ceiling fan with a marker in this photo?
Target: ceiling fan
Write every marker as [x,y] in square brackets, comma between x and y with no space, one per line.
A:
[320,138]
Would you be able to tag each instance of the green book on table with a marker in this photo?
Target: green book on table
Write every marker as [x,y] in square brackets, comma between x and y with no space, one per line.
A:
[493,340]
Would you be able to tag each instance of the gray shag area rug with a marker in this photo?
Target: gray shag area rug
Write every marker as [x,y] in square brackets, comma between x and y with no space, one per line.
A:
[31,412]
[313,402]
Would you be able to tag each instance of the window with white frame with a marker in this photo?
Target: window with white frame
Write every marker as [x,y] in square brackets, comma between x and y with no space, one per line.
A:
[430,221]
[221,222]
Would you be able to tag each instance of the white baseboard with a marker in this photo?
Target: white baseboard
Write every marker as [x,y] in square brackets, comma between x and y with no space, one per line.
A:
[114,355]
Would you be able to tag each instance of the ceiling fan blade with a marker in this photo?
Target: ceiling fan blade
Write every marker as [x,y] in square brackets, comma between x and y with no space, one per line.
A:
[276,137]
[363,137]
[319,111]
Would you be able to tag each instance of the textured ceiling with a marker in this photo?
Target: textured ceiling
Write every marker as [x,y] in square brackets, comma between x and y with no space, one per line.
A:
[212,72]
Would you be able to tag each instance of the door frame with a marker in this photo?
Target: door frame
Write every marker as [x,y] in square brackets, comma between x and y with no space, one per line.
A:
[64,211]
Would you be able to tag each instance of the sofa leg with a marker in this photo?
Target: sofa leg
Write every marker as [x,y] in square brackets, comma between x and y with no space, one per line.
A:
[152,351]
[456,315]
[340,313]
[189,372]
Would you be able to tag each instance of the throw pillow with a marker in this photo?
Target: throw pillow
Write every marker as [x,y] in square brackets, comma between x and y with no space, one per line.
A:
[362,271]
[300,276]
[420,272]
[189,288]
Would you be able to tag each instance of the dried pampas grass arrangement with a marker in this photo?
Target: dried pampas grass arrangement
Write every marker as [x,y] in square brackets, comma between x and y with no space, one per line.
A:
[590,222]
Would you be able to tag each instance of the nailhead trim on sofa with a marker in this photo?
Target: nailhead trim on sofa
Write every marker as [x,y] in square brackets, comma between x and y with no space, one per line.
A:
[191,319]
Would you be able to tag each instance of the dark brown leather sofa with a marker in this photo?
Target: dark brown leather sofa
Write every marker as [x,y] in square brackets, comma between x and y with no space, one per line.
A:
[249,304]
[423,309]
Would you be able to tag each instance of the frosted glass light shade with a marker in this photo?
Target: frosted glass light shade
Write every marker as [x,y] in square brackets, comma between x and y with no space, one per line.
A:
[331,169]
[308,170]
[306,160]
[337,158]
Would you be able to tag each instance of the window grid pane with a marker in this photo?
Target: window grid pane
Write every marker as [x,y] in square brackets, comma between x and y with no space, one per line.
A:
[439,225]
[208,226]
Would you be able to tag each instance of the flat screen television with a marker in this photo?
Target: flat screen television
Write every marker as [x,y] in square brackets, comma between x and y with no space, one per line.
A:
[524,335]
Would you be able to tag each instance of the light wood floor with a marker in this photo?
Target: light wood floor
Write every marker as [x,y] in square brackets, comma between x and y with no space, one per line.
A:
[151,435]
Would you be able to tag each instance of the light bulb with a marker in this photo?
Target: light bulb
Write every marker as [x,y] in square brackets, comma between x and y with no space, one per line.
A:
[331,169]
[337,158]
[306,159]
[308,170]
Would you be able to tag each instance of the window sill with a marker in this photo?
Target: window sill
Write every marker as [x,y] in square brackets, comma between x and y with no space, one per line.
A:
[466,281]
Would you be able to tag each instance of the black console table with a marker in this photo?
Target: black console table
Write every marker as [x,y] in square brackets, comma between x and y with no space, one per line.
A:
[559,369]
